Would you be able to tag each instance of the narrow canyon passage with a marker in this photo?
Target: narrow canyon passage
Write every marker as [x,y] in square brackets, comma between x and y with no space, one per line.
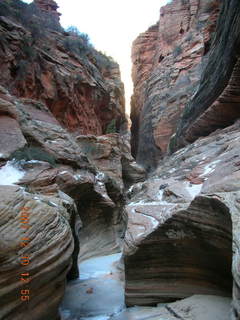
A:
[99,295]
[100,221]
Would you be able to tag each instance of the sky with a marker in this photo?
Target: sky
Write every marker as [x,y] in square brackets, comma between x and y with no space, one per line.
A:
[112,26]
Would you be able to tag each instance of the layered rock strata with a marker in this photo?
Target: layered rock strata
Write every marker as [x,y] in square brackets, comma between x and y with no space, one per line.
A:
[216,102]
[55,86]
[183,234]
[167,66]
[78,183]
[80,86]
[117,170]
[35,260]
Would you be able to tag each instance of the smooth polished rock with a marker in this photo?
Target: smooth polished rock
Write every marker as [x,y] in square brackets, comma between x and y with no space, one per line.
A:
[49,247]
[183,222]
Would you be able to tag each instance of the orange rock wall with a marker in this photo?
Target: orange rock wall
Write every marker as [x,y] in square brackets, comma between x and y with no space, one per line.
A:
[85,95]
[168,73]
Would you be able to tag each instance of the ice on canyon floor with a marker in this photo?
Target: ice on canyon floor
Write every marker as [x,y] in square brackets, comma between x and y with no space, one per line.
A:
[98,293]
[102,298]
[99,266]
[10,173]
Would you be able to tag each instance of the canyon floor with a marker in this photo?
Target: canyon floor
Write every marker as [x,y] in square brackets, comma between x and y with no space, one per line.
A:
[99,295]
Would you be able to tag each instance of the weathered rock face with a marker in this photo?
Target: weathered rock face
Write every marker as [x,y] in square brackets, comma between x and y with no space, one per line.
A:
[35,227]
[111,155]
[216,102]
[189,209]
[48,6]
[167,66]
[55,171]
[143,53]
[80,86]
[183,225]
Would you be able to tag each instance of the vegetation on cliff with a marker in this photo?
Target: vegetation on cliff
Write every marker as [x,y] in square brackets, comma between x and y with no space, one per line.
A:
[61,68]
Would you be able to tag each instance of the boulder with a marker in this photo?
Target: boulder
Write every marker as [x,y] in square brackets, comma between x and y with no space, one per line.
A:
[183,223]
[36,248]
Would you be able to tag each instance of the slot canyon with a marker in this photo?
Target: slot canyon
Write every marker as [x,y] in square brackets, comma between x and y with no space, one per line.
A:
[101,219]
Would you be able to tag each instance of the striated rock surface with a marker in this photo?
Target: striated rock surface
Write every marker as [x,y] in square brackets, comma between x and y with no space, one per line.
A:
[216,102]
[167,66]
[183,236]
[53,168]
[54,87]
[143,53]
[80,86]
[48,245]
[111,155]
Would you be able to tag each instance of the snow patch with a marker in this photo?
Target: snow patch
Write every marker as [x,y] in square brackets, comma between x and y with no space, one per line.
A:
[77,176]
[62,172]
[153,220]
[53,203]
[160,194]
[130,189]
[100,176]
[34,161]
[163,202]
[210,168]
[153,203]
[11,173]
[193,189]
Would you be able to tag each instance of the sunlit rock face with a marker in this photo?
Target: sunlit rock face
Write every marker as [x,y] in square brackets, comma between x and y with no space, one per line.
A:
[80,86]
[167,66]
[183,235]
